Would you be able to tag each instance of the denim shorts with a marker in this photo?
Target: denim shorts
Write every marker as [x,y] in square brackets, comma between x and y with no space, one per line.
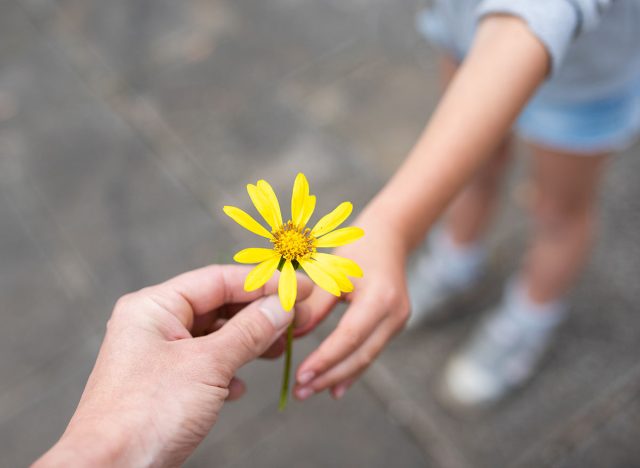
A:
[607,124]
[604,124]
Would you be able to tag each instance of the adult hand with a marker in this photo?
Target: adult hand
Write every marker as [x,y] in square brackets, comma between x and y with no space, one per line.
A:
[166,367]
[378,309]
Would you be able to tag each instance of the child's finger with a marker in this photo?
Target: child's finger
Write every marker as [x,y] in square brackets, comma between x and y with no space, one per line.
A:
[360,320]
[352,366]
[338,391]
[310,312]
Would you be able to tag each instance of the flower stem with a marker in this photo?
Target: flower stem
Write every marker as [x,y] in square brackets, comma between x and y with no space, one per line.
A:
[284,393]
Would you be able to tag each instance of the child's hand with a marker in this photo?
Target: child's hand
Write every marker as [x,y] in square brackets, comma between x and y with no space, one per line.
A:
[378,309]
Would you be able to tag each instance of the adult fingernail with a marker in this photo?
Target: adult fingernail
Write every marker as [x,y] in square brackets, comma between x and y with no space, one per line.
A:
[306,377]
[272,309]
[304,393]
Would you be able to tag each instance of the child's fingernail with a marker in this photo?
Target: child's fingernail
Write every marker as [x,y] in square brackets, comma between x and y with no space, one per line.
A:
[306,377]
[273,311]
[304,393]
[339,391]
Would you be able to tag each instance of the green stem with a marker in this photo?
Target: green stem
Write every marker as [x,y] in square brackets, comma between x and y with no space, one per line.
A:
[287,369]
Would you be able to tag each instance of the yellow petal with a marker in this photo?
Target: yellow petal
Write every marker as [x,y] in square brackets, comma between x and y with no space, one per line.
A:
[332,220]
[287,286]
[263,205]
[340,237]
[298,197]
[320,277]
[336,273]
[246,221]
[261,274]
[339,277]
[273,200]
[254,255]
[344,283]
[309,206]
[346,266]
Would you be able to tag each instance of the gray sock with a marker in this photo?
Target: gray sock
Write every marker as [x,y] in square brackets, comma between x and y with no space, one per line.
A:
[517,302]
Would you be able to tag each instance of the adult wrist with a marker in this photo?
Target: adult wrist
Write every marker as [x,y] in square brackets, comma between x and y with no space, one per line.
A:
[99,444]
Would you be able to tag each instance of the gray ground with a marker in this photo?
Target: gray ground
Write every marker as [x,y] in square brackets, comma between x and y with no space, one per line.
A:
[126,125]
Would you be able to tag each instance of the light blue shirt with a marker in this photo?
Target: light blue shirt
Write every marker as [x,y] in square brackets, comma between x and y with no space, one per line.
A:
[594,45]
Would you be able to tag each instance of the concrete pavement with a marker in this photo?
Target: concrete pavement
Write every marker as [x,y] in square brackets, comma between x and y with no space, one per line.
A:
[124,128]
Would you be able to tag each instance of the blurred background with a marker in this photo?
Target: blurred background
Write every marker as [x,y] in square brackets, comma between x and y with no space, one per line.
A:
[125,126]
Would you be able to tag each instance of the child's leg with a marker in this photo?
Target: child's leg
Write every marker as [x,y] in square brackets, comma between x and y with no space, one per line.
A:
[564,210]
[506,348]
[471,211]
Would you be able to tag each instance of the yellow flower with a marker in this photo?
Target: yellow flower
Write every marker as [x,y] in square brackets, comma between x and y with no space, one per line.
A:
[294,244]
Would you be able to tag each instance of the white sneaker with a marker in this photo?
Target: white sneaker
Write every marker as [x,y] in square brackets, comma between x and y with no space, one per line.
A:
[501,355]
[439,274]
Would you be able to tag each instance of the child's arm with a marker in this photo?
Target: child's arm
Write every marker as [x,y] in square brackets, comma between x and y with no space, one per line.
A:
[503,69]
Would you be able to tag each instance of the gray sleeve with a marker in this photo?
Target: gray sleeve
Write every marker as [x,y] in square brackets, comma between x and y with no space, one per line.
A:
[555,22]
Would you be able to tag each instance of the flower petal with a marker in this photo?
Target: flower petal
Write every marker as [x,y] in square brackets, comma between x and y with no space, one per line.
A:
[287,286]
[263,205]
[332,220]
[254,255]
[336,273]
[309,206]
[298,197]
[246,221]
[343,282]
[339,277]
[340,237]
[261,274]
[273,199]
[345,265]
[320,277]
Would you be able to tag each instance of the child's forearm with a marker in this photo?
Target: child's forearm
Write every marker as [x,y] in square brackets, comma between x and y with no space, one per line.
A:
[503,69]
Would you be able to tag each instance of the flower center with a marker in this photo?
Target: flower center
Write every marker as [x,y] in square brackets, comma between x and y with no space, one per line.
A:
[292,242]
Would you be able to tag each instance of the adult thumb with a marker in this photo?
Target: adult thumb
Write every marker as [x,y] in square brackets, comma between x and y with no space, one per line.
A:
[250,332]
